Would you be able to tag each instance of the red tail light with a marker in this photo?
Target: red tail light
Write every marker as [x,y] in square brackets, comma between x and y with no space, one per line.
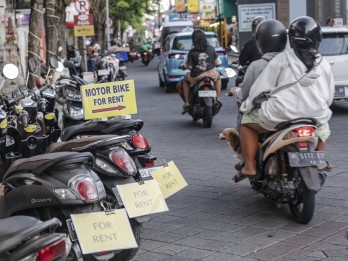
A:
[302,144]
[52,252]
[150,164]
[38,84]
[87,189]
[150,50]
[103,253]
[145,53]
[305,131]
[172,76]
[222,52]
[139,141]
[172,55]
[121,158]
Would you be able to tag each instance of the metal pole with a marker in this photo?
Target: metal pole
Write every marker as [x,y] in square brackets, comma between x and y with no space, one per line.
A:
[85,52]
[107,25]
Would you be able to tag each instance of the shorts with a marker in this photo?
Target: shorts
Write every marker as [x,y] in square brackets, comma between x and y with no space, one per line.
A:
[253,116]
[211,73]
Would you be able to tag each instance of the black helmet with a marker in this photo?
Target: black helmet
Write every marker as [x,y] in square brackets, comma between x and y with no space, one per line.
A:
[271,36]
[255,23]
[305,33]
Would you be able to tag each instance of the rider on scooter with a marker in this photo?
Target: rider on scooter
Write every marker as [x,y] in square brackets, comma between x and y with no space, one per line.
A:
[201,61]
[310,92]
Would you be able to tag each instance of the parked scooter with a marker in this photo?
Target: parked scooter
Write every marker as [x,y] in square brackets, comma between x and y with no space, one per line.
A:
[108,68]
[27,238]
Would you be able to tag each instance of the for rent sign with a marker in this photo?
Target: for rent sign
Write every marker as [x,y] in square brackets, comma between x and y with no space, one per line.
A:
[109,99]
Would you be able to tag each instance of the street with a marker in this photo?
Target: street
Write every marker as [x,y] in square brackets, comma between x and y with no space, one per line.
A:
[214,218]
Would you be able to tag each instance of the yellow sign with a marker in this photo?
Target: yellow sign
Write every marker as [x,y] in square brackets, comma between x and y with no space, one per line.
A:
[180,6]
[192,6]
[169,179]
[141,200]
[84,30]
[108,99]
[30,128]
[99,232]
[3,124]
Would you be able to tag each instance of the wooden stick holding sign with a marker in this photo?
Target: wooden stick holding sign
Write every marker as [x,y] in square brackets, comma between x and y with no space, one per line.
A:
[142,199]
[169,179]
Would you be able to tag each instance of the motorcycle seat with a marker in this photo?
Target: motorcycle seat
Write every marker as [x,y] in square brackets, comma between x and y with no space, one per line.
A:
[71,144]
[39,164]
[14,230]
[286,124]
[115,126]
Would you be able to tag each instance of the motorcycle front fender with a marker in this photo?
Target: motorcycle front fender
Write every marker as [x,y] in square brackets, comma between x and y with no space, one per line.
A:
[310,177]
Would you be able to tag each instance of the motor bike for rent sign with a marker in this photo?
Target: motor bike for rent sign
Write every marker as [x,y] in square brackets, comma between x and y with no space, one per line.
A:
[108,99]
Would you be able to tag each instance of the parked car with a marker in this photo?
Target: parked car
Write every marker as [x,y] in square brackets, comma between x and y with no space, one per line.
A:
[334,48]
[174,49]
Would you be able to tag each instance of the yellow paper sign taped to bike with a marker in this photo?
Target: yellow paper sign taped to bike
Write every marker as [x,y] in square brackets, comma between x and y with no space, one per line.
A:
[108,99]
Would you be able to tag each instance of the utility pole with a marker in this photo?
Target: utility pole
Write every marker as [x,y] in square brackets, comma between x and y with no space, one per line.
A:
[107,25]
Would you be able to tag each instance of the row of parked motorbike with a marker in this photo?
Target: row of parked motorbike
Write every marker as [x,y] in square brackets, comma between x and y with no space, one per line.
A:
[44,181]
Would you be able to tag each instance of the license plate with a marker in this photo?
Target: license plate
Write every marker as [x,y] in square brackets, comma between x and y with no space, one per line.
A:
[207,93]
[123,67]
[340,91]
[74,96]
[146,172]
[306,159]
[103,72]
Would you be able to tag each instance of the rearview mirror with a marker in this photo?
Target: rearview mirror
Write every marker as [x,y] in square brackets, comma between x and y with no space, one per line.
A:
[234,49]
[60,67]
[10,71]
[54,62]
[69,64]
[228,72]
[32,64]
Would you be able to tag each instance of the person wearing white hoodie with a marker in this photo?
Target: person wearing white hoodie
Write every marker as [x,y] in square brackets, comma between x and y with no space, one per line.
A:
[310,95]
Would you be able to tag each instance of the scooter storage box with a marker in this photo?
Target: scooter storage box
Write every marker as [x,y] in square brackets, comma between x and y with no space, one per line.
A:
[123,56]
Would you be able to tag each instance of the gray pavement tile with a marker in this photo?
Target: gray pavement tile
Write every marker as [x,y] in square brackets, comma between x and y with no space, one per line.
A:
[294,227]
[221,257]
[170,249]
[194,253]
[213,245]
[310,258]
[318,254]
[189,231]
[325,229]
[284,247]
[165,218]
[298,254]
[169,237]
[343,218]
[266,255]
[190,241]
[241,249]
[276,234]
[260,242]
[177,258]
[150,244]
[247,259]
[151,233]
[252,219]
[335,210]
[303,239]
[268,224]
[209,234]
[150,256]
[167,227]
[342,252]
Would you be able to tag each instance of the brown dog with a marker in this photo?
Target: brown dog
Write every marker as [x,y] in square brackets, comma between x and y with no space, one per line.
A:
[231,136]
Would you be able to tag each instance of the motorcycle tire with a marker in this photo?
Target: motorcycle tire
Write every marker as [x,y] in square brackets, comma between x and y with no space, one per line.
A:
[208,117]
[302,211]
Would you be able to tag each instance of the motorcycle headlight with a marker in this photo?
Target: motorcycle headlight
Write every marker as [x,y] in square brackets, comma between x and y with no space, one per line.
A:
[76,113]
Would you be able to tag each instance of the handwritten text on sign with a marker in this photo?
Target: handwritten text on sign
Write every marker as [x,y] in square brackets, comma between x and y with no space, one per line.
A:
[84,30]
[99,232]
[108,99]
[169,179]
[141,200]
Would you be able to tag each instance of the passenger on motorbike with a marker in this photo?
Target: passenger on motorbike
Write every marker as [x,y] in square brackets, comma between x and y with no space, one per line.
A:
[271,39]
[250,51]
[201,60]
[309,93]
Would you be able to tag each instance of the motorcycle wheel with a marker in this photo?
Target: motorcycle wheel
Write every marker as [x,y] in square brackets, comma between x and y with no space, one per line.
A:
[208,117]
[302,211]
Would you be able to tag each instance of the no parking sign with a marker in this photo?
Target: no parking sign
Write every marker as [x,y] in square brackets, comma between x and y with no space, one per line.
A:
[82,6]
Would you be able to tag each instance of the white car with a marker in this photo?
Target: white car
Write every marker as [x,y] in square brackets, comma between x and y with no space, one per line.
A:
[334,48]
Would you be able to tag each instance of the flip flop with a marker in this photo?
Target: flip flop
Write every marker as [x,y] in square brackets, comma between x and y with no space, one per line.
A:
[324,167]
[239,166]
[218,106]
[185,108]
[240,176]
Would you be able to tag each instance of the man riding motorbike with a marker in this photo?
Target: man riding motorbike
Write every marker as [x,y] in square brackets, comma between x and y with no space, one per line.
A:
[309,93]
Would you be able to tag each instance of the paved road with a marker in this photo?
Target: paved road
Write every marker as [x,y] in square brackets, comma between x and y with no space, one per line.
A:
[215,219]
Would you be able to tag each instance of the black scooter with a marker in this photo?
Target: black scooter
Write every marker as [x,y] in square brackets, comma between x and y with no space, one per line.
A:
[27,238]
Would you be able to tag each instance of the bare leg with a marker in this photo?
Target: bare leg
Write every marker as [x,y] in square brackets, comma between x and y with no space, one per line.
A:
[321,145]
[249,141]
[179,87]
[186,89]
[217,86]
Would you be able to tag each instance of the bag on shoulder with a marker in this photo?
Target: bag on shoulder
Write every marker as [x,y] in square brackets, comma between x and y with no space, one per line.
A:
[258,100]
